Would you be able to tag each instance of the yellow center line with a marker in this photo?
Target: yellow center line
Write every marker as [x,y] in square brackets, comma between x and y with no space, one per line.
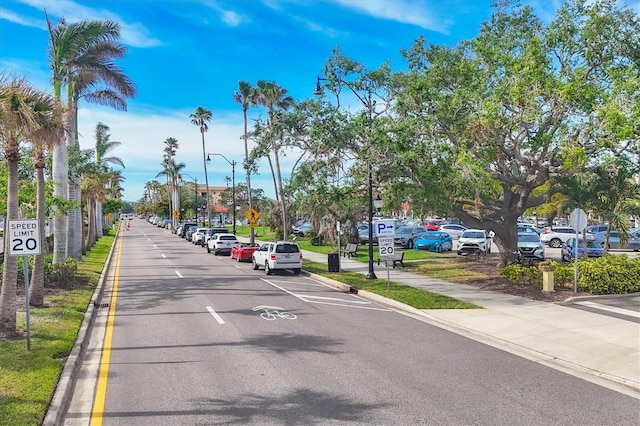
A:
[103,376]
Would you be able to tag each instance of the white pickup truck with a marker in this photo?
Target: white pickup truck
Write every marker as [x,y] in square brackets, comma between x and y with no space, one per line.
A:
[278,255]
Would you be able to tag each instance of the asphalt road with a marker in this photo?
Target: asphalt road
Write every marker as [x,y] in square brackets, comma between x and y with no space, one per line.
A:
[201,339]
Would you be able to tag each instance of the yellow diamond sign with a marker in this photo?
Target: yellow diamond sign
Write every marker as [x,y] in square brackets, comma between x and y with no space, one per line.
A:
[252,216]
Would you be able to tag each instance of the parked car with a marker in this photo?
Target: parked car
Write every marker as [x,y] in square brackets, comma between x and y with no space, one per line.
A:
[278,255]
[452,229]
[244,252]
[222,244]
[405,235]
[530,246]
[182,233]
[189,232]
[198,236]
[614,240]
[593,229]
[523,227]
[212,232]
[302,229]
[568,252]
[474,241]
[434,241]
[555,236]
[432,224]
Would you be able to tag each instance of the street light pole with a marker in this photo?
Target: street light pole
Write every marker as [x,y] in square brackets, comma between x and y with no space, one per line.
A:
[369,106]
[195,192]
[233,183]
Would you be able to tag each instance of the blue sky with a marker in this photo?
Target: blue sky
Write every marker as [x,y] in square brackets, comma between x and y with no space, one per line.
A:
[189,53]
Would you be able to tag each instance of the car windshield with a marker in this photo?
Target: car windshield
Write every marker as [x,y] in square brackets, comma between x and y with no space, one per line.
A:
[473,235]
[430,236]
[528,238]
[403,230]
[287,248]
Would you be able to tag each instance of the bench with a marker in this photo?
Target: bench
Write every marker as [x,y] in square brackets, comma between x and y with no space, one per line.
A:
[396,257]
[350,249]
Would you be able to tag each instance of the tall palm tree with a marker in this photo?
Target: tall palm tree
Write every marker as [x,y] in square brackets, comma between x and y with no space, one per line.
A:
[274,97]
[103,146]
[110,88]
[200,118]
[74,49]
[247,96]
[22,108]
[170,150]
[45,139]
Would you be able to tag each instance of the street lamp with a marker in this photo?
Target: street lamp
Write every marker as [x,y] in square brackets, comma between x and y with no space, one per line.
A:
[233,184]
[195,187]
[369,104]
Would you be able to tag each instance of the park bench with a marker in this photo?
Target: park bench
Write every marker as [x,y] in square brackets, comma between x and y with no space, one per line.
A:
[396,257]
[350,249]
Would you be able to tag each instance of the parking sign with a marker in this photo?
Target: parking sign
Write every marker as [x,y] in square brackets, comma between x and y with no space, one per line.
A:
[386,228]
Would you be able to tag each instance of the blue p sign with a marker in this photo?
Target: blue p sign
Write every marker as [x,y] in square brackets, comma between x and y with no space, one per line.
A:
[385,227]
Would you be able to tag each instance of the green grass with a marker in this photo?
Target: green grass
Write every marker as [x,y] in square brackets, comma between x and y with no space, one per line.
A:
[415,297]
[28,379]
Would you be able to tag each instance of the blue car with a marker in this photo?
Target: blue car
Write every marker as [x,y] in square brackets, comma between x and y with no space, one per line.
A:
[594,249]
[433,241]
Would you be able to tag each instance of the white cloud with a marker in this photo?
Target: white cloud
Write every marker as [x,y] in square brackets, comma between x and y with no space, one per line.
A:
[10,16]
[133,34]
[408,12]
[142,135]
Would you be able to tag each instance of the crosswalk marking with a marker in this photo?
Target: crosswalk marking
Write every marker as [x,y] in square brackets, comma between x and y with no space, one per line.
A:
[602,307]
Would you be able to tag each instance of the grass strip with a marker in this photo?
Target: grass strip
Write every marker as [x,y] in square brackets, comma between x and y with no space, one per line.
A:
[28,379]
[412,296]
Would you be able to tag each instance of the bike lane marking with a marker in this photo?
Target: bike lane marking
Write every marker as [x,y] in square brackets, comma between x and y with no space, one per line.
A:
[333,301]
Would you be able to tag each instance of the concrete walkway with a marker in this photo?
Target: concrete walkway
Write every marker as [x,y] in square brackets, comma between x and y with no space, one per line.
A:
[596,347]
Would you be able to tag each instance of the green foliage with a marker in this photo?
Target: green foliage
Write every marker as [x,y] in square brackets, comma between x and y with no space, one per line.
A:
[609,275]
[518,274]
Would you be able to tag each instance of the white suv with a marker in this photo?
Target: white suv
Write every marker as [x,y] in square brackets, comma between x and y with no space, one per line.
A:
[278,255]
[222,244]
[474,241]
[555,236]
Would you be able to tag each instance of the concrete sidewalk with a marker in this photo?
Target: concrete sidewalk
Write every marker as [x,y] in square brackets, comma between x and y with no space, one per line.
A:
[599,348]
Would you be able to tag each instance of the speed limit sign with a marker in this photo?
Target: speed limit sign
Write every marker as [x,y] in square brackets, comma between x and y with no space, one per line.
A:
[24,237]
[385,246]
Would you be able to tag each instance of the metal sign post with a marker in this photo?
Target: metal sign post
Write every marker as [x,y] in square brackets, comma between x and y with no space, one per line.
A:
[578,220]
[24,239]
[386,250]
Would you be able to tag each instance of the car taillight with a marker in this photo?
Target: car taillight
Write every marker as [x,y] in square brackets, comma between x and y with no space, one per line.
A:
[546,231]
[272,257]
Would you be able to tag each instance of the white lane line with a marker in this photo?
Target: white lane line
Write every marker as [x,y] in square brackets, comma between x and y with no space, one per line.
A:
[163,256]
[179,274]
[217,317]
[349,303]
[602,307]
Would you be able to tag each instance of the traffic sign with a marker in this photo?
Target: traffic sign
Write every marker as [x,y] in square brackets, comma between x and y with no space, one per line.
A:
[385,246]
[386,227]
[24,237]
[252,216]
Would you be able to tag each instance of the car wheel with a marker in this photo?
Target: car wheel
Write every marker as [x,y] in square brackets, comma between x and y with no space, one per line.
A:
[297,271]
[555,243]
[267,270]
[254,264]
[208,249]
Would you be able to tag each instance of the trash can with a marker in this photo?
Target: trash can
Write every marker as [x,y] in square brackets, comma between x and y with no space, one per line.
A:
[334,262]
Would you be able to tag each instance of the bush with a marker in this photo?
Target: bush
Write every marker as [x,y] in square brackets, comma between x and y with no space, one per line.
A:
[609,275]
[59,274]
[518,274]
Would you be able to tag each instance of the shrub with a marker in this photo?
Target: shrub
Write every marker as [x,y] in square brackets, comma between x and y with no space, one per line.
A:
[609,275]
[518,274]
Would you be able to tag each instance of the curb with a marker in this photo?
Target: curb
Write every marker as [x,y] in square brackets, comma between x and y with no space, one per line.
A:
[63,393]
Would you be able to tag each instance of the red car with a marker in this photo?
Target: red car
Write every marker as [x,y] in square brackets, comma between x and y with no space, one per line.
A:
[243,253]
[433,225]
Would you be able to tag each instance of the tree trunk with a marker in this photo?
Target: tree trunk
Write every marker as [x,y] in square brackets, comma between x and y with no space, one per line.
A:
[282,197]
[36,284]
[91,232]
[60,187]
[10,267]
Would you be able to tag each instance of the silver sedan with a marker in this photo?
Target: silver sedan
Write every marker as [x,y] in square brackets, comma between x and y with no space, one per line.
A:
[614,240]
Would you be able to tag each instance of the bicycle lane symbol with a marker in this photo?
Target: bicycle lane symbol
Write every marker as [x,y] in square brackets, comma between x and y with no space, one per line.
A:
[272,312]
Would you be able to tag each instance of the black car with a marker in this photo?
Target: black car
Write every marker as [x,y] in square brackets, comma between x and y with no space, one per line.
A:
[185,228]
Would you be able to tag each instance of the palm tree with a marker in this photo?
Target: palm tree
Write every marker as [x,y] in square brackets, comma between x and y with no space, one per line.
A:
[200,118]
[247,96]
[274,97]
[87,46]
[103,146]
[23,110]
